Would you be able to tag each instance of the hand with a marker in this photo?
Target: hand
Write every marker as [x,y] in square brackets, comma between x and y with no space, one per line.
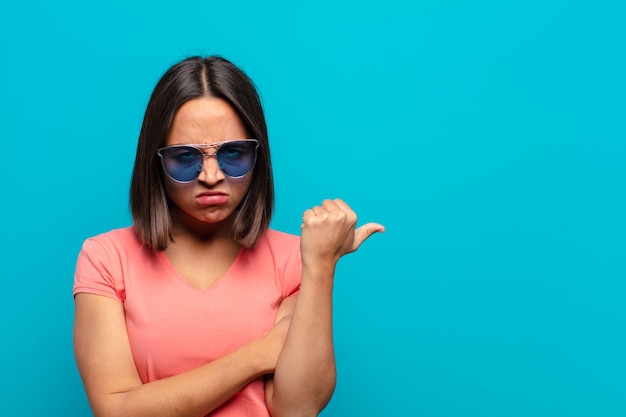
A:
[328,232]
[272,343]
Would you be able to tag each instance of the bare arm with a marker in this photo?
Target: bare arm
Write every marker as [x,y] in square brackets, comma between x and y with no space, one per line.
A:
[304,379]
[113,386]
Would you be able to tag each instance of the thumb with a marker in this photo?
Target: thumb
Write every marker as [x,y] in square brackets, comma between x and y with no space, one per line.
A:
[365,231]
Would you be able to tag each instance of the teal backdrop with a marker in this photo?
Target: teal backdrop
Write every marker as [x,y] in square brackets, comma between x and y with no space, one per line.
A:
[489,137]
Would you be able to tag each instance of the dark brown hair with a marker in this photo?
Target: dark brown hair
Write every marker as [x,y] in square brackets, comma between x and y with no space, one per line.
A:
[192,78]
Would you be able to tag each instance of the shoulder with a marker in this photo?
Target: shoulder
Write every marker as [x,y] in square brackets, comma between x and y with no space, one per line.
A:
[275,246]
[277,238]
[123,234]
[279,246]
[103,260]
[115,246]
[279,252]
[117,238]
[278,243]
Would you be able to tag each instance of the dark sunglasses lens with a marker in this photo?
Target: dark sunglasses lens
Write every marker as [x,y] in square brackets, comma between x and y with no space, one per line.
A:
[237,158]
[182,163]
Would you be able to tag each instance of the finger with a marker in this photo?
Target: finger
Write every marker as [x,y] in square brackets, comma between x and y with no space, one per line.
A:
[345,208]
[307,214]
[341,203]
[318,210]
[365,231]
[330,205]
[339,213]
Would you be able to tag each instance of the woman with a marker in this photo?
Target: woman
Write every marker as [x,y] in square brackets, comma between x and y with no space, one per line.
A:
[199,308]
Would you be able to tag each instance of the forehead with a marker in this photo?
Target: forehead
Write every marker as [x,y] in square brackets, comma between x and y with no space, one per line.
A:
[205,121]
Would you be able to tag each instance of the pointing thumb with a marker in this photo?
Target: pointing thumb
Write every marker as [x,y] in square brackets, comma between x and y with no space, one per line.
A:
[365,231]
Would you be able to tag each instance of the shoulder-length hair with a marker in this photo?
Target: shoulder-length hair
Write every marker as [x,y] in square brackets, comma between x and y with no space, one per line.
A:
[192,78]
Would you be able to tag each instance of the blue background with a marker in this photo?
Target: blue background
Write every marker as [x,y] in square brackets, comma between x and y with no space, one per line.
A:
[488,137]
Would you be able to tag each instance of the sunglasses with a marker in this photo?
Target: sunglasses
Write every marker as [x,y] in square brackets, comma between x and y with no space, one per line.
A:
[183,163]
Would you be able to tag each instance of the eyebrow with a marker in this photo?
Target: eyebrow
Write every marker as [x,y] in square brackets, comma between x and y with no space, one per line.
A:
[211,145]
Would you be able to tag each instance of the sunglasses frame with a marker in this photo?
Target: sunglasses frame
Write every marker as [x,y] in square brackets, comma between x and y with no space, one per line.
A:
[200,148]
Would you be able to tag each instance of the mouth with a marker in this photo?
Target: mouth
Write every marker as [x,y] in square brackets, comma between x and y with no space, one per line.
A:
[211,198]
[211,193]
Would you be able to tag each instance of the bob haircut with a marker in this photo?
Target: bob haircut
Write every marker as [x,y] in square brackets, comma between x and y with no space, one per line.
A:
[191,78]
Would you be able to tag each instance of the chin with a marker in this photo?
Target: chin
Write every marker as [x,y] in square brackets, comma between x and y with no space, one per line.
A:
[215,216]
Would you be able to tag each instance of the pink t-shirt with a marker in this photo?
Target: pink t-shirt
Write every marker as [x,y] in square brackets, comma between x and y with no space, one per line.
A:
[174,327]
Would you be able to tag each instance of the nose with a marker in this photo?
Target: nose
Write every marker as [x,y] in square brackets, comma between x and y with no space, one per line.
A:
[210,173]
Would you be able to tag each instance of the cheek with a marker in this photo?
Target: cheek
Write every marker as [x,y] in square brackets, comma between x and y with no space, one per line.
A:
[239,189]
[240,185]
[239,182]
[175,190]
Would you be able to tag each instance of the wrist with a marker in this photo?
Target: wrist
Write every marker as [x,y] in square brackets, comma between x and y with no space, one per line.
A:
[320,267]
[261,362]
[318,272]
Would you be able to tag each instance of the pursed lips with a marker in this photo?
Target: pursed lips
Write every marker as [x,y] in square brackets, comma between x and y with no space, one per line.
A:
[211,198]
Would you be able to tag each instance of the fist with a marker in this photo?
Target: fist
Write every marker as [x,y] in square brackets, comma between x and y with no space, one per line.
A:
[328,232]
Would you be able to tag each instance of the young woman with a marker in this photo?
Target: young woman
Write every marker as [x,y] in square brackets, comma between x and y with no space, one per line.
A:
[200,308]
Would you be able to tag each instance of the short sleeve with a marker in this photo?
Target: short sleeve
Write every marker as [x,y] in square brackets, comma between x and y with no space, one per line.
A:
[97,273]
[292,270]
